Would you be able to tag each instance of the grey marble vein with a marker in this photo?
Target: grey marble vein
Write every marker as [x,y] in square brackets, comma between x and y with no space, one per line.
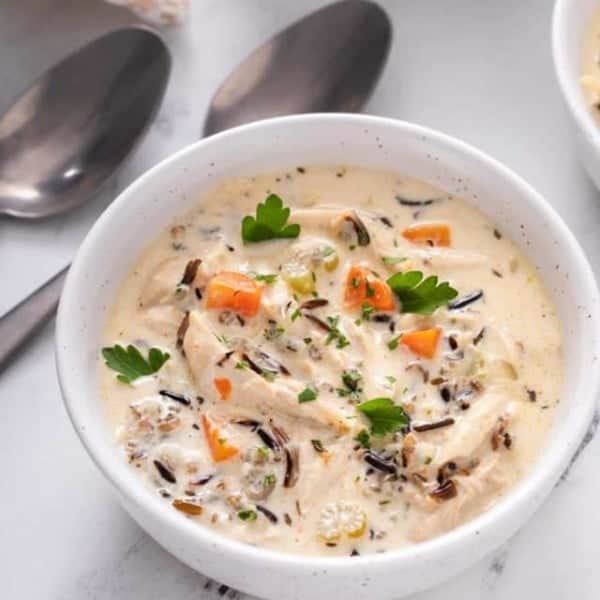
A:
[496,568]
[587,438]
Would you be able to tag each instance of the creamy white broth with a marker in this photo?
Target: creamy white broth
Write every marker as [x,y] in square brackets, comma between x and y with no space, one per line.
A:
[590,65]
[493,381]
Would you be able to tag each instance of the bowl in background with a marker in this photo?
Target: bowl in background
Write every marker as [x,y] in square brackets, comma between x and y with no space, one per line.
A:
[144,209]
[570,22]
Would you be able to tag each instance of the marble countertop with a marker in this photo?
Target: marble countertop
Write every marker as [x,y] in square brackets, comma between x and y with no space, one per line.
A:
[478,70]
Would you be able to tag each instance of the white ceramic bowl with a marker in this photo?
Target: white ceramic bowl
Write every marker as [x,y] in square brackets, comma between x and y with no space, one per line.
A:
[570,22]
[147,206]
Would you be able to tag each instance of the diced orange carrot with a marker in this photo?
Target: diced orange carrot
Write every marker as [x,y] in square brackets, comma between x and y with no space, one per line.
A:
[219,448]
[437,234]
[234,291]
[223,386]
[362,287]
[423,342]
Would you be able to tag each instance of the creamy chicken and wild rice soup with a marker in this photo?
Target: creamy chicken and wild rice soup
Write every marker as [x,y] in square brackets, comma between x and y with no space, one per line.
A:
[331,361]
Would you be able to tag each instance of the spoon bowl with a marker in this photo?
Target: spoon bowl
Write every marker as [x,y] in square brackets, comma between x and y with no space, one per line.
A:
[70,131]
[329,61]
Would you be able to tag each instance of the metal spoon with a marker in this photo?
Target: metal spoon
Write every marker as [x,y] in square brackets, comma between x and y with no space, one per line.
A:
[327,61]
[64,137]
[68,133]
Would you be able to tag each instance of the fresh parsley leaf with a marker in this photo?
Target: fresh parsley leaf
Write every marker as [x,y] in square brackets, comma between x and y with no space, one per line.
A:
[307,395]
[363,438]
[242,365]
[130,364]
[392,260]
[267,278]
[418,295]
[269,223]
[393,343]
[384,415]
[296,314]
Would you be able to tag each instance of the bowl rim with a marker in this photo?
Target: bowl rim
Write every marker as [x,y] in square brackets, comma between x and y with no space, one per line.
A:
[569,87]
[530,490]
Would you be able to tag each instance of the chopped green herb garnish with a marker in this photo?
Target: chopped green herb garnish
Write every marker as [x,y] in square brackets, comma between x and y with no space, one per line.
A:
[273,332]
[366,310]
[363,438]
[336,334]
[267,278]
[223,340]
[384,415]
[393,343]
[307,340]
[130,364]
[242,364]
[351,380]
[393,260]
[355,282]
[326,251]
[418,295]
[247,515]
[369,291]
[307,395]
[296,314]
[269,480]
[263,452]
[392,380]
[269,223]
[342,342]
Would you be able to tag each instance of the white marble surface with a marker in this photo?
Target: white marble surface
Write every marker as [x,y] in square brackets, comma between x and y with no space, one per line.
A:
[478,70]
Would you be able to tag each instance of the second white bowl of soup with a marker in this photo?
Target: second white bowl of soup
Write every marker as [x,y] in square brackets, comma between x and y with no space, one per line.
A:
[345,375]
[576,53]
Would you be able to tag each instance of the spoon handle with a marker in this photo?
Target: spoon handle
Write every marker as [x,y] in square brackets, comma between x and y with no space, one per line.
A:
[25,319]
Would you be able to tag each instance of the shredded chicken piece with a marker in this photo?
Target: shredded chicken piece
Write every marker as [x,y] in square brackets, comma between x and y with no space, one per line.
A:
[478,489]
[251,393]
